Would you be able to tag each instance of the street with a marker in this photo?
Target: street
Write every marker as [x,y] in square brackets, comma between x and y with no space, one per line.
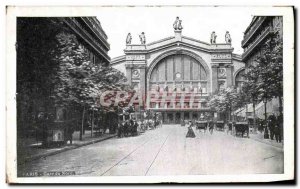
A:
[165,151]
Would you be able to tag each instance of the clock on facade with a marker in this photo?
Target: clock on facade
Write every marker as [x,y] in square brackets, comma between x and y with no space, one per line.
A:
[178,75]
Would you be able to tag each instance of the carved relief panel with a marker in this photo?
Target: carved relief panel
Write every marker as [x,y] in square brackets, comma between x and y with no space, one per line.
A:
[221,72]
[135,74]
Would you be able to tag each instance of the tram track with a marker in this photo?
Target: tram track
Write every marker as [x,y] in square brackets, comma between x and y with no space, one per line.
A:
[157,154]
[125,157]
[136,149]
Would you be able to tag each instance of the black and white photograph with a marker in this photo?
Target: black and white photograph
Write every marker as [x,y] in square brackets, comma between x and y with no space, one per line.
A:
[150,94]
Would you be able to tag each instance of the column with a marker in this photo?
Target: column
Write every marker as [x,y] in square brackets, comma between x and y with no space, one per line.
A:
[229,75]
[143,80]
[181,116]
[174,118]
[165,117]
[214,78]
[191,115]
[128,74]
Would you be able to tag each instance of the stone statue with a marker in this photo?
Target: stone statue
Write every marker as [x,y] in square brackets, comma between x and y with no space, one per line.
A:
[213,38]
[142,38]
[177,24]
[227,37]
[128,39]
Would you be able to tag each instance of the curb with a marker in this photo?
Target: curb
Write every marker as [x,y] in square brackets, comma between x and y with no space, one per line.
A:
[261,141]
[29,159]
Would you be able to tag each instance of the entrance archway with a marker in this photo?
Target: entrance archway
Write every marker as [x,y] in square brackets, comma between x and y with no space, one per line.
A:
[180,69]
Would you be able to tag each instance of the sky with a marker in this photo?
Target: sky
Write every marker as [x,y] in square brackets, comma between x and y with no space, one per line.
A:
[156,22]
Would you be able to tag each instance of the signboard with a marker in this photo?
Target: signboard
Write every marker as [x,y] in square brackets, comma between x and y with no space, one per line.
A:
[135,57]
[221,56]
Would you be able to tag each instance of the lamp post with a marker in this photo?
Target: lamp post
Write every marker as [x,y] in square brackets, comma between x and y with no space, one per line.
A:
[266,133]
[92,126]
[254,116]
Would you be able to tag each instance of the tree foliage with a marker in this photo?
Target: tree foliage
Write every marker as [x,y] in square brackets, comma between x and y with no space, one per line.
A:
[224,100]
[270,63]
[53,69]
[264,77]
[80,81]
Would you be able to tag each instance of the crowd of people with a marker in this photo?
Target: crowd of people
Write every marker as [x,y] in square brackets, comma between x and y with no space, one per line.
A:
[133,127]
[275,126]
[273,129]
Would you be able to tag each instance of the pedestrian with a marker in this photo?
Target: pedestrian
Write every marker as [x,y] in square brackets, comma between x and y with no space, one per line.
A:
[182,123]
[70,131]
[211,127]
[120,129]
[271,125]
[135,126]
[190,133]
[228,127]
[276,132]
[126,128]
[278,128]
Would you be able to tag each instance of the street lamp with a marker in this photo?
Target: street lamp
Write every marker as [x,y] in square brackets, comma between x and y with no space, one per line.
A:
[92,126]
[266,133]
[254,115]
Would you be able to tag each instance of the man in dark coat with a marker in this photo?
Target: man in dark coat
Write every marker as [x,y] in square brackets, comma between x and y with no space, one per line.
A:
[69,132]
[120,130]
[278,128]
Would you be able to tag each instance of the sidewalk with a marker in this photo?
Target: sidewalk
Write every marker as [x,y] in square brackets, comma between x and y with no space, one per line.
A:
[260,138]
[29,149]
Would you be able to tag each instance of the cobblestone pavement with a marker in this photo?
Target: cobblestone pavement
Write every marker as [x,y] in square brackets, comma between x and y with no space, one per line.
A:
[165,151]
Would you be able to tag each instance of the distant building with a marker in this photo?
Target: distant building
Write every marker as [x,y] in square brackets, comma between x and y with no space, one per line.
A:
[180,65]
[256,34]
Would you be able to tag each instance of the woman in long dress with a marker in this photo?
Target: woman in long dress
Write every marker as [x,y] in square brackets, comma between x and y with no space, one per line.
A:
[190,133]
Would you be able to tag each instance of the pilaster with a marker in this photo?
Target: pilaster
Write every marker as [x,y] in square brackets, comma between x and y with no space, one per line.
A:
[214,78]
[229,75]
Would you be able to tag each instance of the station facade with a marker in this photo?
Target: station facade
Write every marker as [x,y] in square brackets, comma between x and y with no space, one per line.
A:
[187,69]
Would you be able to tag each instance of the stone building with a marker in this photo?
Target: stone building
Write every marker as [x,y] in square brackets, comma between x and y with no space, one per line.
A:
[35,42]
[259,30]
[189,69]
[91,35]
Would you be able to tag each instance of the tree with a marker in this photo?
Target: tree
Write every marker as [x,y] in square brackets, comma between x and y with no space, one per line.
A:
[79,82]
[55,70]
[271,69]
[224,101]
[264,77]
[35,68]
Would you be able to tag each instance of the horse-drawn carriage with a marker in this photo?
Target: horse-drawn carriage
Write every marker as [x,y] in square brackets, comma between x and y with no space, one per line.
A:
[220,125]
[241,128]
[128,125]
[201,125]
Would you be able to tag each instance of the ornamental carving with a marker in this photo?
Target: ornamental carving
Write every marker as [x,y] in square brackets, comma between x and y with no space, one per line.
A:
[221,72]
[135,74]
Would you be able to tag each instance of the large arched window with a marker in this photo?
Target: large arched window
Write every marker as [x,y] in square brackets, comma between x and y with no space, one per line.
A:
[240,79]
[179,72]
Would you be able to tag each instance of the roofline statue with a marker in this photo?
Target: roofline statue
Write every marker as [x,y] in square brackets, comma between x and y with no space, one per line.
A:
[142,38]
[128,39]
[213,37]
[177,24]
[227,37]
